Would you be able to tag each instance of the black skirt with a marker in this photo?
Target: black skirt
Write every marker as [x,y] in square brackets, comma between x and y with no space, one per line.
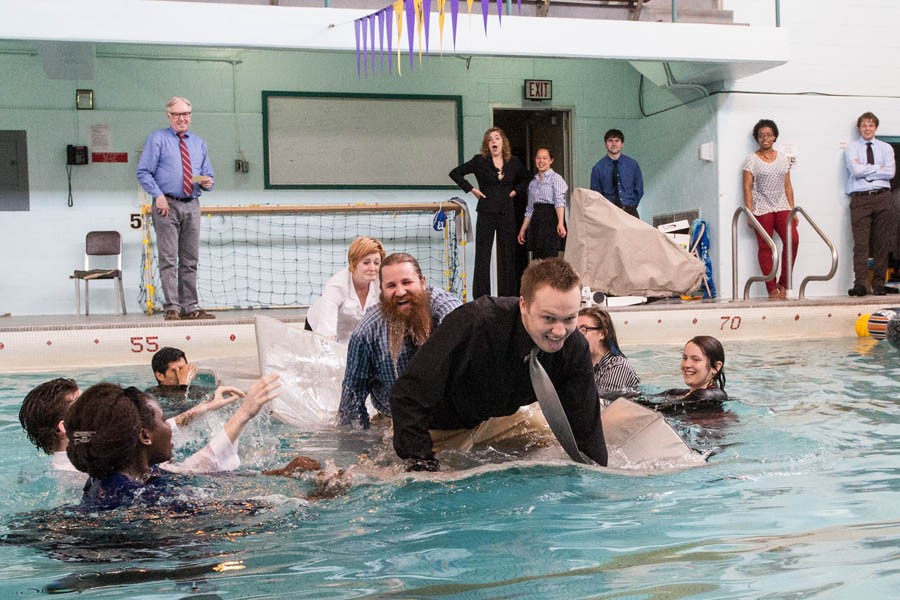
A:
[541,235]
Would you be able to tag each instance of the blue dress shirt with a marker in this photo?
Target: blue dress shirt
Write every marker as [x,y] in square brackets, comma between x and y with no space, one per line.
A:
[370,368]
[864,177]
[159,170]
[631,182]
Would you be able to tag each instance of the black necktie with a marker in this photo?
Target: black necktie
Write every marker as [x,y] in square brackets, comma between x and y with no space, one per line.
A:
[870,155]
[615,182]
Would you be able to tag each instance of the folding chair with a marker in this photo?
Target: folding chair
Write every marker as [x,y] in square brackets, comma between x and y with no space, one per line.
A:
[100,243]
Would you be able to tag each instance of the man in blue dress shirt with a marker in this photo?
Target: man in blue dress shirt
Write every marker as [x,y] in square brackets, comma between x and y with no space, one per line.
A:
[871,166]
[618,177]
[174,166]
[388,337]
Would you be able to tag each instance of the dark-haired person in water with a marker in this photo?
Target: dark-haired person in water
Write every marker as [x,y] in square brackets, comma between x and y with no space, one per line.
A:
[44,408]
[613,373]
[120,439]
[703,370]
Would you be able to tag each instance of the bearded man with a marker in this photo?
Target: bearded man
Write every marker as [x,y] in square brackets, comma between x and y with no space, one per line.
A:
[388,337]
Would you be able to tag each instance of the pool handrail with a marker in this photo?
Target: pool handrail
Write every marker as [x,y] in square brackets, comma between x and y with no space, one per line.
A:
[790,253]
[734,261]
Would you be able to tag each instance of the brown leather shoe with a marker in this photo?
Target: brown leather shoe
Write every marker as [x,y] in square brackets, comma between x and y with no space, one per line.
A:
[197,314]
[172,315]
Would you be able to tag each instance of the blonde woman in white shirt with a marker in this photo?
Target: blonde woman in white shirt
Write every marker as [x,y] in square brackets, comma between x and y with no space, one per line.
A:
[769,195]
[349,293]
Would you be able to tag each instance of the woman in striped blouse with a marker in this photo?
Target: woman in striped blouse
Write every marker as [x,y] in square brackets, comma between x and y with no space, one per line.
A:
[544,227]
[612,371]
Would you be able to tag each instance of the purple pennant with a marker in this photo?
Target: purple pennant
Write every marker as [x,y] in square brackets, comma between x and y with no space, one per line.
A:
[389,20]
[454,12]
[410,27]
[499,11]
[356,27]
[381,37]
[485,6]
[372,39]
[519,4]
[365,47]
[426,14]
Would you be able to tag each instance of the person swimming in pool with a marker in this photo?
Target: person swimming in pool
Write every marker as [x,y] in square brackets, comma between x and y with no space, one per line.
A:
[703,370]
[44,408]
[120,439]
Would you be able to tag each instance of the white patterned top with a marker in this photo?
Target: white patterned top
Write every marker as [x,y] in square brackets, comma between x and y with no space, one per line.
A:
[768,183]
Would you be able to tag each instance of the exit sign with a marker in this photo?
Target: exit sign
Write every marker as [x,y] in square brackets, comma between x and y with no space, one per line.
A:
[538,89]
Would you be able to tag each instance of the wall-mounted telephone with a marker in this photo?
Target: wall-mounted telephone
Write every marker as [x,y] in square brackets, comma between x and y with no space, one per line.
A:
[76,155]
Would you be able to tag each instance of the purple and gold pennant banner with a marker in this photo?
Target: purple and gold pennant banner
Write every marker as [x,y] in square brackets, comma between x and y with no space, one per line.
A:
[418,18]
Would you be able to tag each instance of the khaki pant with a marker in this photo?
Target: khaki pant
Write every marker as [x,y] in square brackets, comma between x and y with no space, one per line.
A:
[527,421]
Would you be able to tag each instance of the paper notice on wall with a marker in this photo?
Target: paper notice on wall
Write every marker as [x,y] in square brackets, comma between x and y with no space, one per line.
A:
[101,137]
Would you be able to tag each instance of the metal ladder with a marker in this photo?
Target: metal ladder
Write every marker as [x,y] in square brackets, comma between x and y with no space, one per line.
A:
[776,257]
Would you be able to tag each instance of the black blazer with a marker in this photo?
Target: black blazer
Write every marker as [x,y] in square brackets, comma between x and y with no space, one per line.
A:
[515,177]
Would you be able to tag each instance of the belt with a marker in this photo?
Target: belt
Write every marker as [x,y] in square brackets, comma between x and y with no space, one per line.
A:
[869,192]
[188,199]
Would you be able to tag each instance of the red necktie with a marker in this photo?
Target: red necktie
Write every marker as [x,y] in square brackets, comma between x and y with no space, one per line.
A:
[186,168]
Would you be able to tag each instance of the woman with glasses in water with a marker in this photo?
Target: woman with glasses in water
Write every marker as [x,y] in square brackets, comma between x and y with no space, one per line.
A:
[612,371]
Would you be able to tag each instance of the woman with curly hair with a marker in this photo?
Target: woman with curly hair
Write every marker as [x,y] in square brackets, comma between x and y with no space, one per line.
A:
[502,180]
[120,439]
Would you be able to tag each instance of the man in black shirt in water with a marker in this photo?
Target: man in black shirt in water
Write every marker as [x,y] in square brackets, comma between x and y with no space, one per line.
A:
[475,366]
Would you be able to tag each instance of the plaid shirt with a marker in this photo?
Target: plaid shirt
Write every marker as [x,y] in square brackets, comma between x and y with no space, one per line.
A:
[370,368]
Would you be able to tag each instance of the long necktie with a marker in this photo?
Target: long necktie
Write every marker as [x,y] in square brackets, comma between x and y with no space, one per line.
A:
[870,154]
[552,408]
[615,182]
[186,168]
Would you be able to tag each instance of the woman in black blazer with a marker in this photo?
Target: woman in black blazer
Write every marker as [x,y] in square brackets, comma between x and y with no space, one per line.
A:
[501,178]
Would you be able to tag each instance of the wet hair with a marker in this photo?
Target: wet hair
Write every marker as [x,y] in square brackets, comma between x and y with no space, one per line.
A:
[42,410]
[614,133]
[360,248]
[554,272]
[175,100]
[547,148]
[605,323]
[714,352]
[765,123]
[400,257]
[485,147]
[867,115]
[164,357]
[104,427]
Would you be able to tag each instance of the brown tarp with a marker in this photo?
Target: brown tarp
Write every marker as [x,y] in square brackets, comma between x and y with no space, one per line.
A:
[623,256]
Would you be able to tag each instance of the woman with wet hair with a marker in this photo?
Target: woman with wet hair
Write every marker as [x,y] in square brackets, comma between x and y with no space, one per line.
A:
[120,439]
[703,370]
[502,181]
[613,373]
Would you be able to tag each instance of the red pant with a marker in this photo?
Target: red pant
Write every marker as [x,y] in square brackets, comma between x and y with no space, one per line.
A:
[778,222]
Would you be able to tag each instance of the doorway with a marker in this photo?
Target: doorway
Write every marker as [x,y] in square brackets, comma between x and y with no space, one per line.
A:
[530,129]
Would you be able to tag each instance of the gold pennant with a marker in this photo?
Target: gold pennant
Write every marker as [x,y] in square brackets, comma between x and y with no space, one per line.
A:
[398,16]
[420,21]
[441,23]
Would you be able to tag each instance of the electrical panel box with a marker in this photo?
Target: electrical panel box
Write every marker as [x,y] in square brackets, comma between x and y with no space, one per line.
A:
[76,155]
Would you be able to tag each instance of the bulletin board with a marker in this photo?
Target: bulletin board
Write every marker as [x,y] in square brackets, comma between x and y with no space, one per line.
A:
[362,141]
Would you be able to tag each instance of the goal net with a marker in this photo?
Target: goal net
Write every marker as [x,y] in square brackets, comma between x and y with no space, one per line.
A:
[281,256]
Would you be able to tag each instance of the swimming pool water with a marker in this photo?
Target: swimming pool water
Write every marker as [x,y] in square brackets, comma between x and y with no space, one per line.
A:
[800,499]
